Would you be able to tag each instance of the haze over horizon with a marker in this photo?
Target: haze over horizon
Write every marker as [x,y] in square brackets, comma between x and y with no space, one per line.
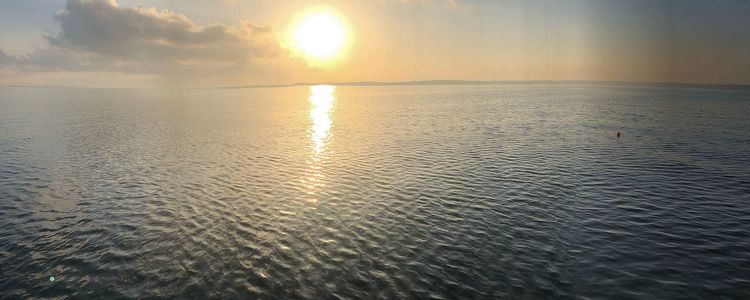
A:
[145,43]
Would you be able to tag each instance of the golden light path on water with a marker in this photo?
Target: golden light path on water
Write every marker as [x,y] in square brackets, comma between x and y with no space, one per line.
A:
[322,98]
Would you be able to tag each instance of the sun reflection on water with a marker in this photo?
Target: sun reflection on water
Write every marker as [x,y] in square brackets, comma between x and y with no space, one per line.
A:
[322,98]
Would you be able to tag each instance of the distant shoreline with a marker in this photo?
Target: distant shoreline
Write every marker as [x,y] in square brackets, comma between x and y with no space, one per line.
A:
[436,83]
[497,82]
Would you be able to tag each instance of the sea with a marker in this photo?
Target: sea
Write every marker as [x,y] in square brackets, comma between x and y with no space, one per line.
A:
[506,191]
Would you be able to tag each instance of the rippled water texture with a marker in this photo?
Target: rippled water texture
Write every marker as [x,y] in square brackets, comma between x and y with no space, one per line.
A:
[375,192]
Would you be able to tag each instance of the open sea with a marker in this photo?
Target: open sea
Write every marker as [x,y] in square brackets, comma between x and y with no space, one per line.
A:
[440,192]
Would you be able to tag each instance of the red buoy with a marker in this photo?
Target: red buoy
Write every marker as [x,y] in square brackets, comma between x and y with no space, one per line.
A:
[618,134]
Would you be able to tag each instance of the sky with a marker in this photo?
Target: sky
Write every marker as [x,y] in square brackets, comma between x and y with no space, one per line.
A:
[204,43]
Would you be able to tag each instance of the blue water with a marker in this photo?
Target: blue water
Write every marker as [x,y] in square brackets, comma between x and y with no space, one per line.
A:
[507,191]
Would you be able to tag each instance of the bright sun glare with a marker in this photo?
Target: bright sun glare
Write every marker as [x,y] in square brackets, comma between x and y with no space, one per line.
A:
[320,36]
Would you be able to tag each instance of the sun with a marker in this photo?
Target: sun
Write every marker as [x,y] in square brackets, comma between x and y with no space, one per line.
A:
[320,36]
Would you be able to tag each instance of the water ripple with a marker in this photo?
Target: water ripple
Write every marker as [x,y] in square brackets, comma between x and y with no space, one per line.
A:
[343,192]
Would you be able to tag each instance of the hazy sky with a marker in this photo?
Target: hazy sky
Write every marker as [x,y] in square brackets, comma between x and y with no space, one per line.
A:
[234,42]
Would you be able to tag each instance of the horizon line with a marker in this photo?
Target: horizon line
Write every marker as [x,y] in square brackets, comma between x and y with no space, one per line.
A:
[490,82]
[736,86]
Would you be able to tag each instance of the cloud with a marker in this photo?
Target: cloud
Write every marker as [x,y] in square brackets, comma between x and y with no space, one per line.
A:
[5,59]
[100,35]
[103,27]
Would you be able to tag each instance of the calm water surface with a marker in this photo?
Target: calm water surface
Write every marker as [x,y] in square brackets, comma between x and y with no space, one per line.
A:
[375,192]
